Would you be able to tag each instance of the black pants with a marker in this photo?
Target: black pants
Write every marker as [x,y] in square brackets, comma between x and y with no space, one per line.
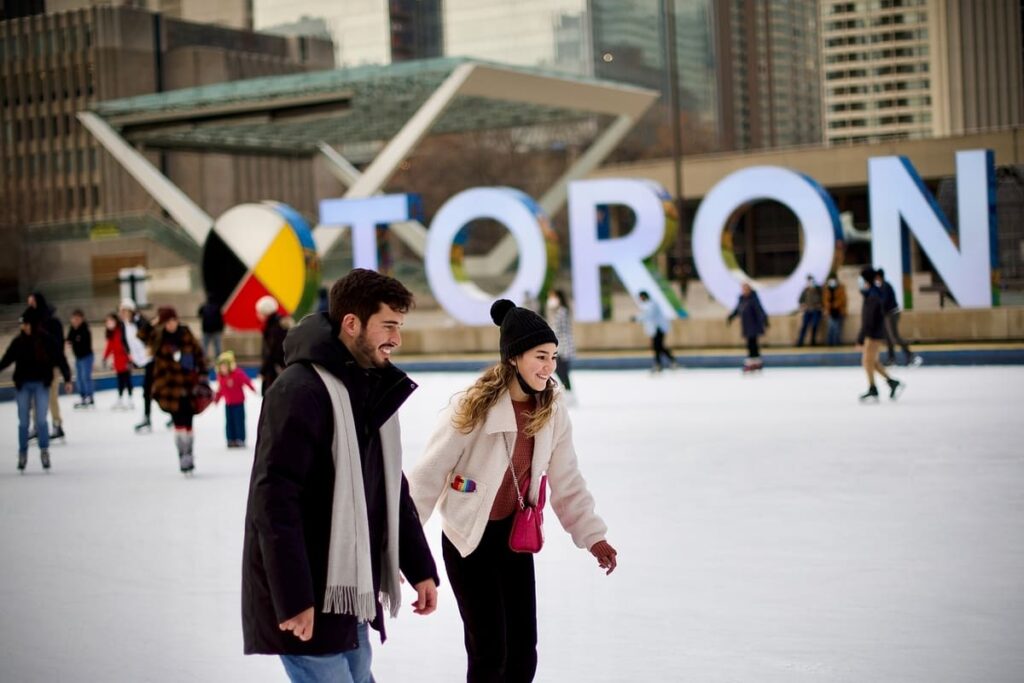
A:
[753,348]
[183,418]
[497,599]
[562,367]
[124,383]
[892,337]
[658,345]
[147,388]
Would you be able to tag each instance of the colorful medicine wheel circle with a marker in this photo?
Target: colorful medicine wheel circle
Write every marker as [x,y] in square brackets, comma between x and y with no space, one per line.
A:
[258,249]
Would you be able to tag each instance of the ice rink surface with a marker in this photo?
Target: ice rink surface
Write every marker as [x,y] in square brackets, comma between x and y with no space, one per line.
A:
[769,529]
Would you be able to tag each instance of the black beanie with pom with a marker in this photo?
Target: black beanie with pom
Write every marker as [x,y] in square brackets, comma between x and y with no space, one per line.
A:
[521,328]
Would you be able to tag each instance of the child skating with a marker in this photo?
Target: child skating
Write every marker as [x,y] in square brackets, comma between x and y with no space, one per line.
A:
[231,383]
[116,354]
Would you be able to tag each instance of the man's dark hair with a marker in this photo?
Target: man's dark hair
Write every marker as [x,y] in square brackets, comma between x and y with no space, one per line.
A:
[78,312]
[361,293]
[644,295]
[880,273]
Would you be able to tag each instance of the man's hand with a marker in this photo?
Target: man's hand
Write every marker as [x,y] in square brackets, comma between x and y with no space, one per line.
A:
[426,597]
[605,555]
[301,625]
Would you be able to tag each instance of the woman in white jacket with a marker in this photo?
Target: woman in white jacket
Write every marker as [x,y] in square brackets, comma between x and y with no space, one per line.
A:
[511,426]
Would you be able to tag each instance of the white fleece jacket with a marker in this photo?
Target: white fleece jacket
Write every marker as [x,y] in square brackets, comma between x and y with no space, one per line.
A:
[482,456]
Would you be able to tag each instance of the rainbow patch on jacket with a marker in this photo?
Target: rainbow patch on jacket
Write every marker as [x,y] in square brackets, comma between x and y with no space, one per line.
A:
[460,483]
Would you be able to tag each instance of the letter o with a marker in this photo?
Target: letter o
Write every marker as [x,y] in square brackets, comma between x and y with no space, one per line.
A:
[814,208]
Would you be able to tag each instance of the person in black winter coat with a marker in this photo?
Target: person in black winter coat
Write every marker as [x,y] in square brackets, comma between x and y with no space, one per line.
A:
[891,307]
[51,324]
[328,446]
[213,328]
[275,328]
[872,336]
[753,323]
[35,354]
[80,340]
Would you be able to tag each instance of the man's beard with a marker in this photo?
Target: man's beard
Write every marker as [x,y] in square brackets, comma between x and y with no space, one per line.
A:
[370,352]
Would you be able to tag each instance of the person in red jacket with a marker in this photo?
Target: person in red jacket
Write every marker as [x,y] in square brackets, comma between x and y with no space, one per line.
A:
[231,383]
[116,353]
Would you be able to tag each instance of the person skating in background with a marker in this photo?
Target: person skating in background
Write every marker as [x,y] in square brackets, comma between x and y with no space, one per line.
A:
[489,452]
[834,303]
[872,336]
[892,323]
[560,319]
[212,325]
[51,324]
[36,355]
[655,327]
[753,323]
[329,522]
[231,383]
[116,355]
[136,331]
[179,366]
[80,340]
[275,329]
[810,306]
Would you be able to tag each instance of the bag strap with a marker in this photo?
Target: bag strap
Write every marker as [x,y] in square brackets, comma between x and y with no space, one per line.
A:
[512,469]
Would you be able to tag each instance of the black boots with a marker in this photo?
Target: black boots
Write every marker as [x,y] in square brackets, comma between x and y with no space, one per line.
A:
[872,395]
[895,388]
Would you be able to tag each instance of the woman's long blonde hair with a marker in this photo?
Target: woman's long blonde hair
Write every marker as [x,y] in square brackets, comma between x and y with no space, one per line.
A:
[485,392]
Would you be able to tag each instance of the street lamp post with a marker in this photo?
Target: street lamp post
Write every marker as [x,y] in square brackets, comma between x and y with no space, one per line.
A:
[671,70]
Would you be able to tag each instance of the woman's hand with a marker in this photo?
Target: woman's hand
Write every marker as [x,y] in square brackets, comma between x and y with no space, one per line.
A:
[605,555]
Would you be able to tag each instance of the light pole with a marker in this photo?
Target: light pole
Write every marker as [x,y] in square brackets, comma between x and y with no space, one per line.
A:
[669,13]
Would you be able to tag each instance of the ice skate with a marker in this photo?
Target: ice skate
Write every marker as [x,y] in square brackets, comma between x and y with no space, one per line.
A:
[144,426]
[58,432]
[44,456]
[915,361]
[22,461]
[83,404]
[871,396]
[896,388]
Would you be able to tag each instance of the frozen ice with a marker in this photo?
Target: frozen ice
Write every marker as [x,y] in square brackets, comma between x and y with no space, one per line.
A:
[769,529]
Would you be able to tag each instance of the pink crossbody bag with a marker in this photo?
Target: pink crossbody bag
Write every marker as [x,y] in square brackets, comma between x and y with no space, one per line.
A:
[527,535]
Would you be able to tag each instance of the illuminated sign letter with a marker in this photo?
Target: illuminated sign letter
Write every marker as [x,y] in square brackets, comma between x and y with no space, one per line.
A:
[624,254]
[516,211]
[364,215]
[814,209]
[898,197]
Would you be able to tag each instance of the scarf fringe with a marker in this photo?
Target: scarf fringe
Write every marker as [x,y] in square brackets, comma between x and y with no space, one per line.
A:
[347,600]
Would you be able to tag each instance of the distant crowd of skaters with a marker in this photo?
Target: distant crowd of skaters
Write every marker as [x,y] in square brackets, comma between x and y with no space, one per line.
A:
[174,365]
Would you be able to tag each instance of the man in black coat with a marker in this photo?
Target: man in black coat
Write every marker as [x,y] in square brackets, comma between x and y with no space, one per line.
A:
[891,308]
[50,323]
[275,329]
[289,604]
[872,336]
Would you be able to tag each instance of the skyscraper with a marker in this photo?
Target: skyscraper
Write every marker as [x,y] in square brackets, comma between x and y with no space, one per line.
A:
[919,68]
[768,72]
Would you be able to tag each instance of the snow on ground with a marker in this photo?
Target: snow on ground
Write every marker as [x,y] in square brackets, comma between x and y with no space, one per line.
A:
[768,529]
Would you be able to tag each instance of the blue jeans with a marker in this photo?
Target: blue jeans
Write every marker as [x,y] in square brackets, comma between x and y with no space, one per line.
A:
[38,393]
[810,322]
[83,376]
[211,339]
[835,330]
[235,422]
[345,667]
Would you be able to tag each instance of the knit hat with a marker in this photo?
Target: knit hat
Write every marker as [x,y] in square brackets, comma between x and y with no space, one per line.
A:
[868,273]
[127,304]
[165,313]
[521,328]
[30,316]
[266,306]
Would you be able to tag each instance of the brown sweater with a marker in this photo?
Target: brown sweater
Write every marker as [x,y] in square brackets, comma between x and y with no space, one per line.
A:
[506,502]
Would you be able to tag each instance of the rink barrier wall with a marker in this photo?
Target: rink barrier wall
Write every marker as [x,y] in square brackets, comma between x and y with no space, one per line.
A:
[814,357]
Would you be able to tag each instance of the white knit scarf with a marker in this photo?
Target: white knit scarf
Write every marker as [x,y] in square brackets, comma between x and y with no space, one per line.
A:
[349,569]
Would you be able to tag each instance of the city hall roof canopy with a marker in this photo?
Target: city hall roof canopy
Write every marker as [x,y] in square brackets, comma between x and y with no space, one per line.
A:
[389,107]
[292,114]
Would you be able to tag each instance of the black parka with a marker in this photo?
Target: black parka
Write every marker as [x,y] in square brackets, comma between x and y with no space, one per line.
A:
[291,492]
[872,316]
